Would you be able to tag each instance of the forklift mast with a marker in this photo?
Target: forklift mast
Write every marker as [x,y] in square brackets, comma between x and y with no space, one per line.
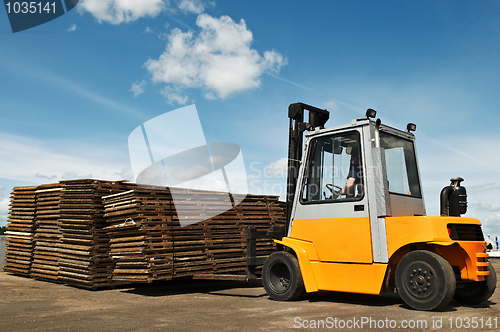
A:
[317,118]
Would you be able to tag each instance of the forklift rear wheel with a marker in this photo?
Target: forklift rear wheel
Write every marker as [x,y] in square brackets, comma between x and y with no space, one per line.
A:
[425,280]
[479,291]
[281,277]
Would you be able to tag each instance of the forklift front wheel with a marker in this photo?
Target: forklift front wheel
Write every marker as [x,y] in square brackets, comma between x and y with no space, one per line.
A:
[479,291]
[425,280]
[281,277]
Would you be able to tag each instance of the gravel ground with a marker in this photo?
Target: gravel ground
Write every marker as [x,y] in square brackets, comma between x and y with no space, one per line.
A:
[31,305]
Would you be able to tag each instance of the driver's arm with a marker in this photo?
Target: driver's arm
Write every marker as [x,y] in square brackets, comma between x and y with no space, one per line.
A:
[348,185]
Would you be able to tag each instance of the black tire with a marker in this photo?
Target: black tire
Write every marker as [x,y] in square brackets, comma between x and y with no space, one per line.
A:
[281,277]
[479,291]
[425,280]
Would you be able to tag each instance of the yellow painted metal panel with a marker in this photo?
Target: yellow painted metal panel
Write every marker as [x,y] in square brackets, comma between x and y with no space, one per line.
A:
[420,229]
[337,239]
[426,231]
[307,246]
[354,278]
[305,264]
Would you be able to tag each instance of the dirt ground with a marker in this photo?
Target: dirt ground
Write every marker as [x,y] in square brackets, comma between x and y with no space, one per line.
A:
[31,305]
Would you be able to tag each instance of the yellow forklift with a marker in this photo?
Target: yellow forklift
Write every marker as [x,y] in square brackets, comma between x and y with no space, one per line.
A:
[356,220]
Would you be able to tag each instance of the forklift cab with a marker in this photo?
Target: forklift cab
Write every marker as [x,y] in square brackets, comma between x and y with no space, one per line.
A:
[357,174]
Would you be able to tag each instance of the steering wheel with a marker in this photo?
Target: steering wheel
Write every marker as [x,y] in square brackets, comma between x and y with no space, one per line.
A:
[335,190]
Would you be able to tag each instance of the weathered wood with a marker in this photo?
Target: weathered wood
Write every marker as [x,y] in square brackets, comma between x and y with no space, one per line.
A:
[20,231]
[140,228]
[95,234]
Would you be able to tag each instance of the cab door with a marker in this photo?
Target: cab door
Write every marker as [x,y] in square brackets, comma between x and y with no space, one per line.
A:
[332,209]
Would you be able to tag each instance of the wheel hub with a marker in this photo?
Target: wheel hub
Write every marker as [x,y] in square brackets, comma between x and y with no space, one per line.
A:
[280,277]
[420,280]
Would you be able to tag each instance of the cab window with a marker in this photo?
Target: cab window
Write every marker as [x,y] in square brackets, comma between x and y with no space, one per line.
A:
[334,169]
[401,164]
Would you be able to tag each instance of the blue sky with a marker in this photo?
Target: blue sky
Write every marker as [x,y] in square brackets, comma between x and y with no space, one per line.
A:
[73,89]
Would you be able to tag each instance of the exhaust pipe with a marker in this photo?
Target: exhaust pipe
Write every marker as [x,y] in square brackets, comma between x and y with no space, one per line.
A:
[454,199]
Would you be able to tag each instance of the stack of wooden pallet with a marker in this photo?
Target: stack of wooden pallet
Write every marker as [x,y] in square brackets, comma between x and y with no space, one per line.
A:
[149,242]
[83,251]
[20,231]
[55,232]
[94,234]
[47,233]
[225,235]
[140,228]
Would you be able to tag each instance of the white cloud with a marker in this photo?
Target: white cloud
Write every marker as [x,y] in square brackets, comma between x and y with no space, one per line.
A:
[486,206]
[2,187]
[72,28]
[277,169]
[274,61]
[219,59]
[331,106]
[121,11]
[174,95]
[46,177]
[158,32]
[73,175]
[4,209]
[192,6]
[4,206]
[493,186]
[138,88]
[126,174]
[38,161]
[491,225]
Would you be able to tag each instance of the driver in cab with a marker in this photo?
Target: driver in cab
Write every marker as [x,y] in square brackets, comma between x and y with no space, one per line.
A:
[354,175]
